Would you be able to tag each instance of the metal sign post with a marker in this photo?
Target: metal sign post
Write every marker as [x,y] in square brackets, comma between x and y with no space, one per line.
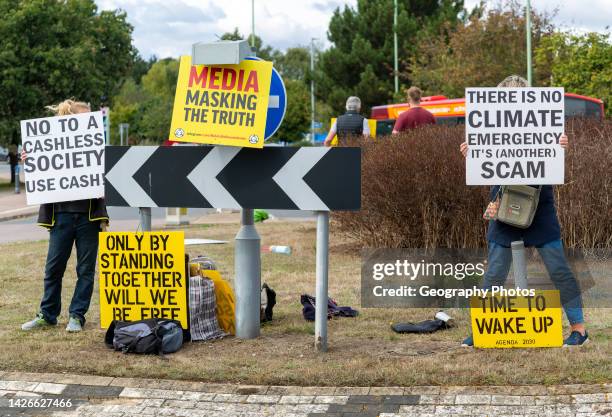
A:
[145,219]
[519,264]
[247,263]
[322,283]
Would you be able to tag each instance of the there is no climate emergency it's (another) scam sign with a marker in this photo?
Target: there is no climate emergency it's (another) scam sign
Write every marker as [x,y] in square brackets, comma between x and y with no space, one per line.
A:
[221,104]
[65,157]
[513,136]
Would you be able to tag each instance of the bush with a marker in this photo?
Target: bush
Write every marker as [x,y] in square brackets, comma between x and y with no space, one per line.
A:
[413,191]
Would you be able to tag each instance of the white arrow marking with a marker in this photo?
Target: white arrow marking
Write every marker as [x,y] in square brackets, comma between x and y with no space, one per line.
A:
[204,177]
[274,102]
[121,176]
[291,178]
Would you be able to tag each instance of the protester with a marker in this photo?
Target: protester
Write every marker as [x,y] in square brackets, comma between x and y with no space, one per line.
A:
[70,222]
[13,161]
[414,117]
[545,234]
[350,123]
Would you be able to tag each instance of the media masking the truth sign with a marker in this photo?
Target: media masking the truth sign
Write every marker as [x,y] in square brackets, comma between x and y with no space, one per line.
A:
[142,276]
[65,157]
[513,136]
[221,104]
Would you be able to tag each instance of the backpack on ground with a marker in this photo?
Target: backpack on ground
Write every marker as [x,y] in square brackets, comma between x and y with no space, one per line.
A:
[151,336]
[268,301]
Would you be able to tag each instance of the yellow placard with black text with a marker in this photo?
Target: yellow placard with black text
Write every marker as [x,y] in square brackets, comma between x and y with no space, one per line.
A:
[517,321]
[221,104]
[371,125]
[142,276]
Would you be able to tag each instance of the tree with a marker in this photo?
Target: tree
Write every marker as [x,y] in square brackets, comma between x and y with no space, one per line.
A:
[52,50]
[482,52]
[360,60]
[297,116]
[267,53]
[581,64]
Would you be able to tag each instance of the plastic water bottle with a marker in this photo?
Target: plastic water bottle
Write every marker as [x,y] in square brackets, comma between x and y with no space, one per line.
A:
[285,250]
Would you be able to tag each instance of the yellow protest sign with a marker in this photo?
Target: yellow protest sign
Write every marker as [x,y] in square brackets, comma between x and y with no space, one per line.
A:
[517,321]
[142,276]
[371,125]
[221,104]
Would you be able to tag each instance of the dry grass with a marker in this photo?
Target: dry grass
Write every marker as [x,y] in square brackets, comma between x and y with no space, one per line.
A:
[363,351]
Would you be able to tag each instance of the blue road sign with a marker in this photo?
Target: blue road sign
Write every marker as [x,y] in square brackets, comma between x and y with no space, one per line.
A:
[277,103]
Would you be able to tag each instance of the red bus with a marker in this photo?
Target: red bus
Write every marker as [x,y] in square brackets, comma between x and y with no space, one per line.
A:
[452,111]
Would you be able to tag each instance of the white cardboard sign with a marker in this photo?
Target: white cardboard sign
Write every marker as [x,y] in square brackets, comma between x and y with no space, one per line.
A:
[65,157]
[513,136]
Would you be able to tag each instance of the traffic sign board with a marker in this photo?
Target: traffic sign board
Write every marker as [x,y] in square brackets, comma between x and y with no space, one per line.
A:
[277,103]
[309,178]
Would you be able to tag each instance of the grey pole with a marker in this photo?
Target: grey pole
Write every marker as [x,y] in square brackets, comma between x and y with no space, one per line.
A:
[253,24]
[17,191]
[321,271]
[395,66]
[247,265]
[528,34]
[519,264]
[145,219]
[312,96]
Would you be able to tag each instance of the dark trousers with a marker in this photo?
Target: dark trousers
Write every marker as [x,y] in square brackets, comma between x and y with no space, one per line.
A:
[70,228]
[13,173]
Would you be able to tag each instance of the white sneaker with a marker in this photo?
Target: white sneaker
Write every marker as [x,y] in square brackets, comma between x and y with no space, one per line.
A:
[74,325]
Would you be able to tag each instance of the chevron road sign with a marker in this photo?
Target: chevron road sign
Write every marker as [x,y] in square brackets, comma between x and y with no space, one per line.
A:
[308,178]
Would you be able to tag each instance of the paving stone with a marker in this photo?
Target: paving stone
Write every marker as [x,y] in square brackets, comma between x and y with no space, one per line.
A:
[386,391]
[152,402]
[352,408]
[317,391]
[331,399]
[49,388]
[198,396]
[437,399]
[417,409]
[422,390]
[472,399]
[251,389]
[505,400]
[527,400]
[589,398]
[18,385]
[27,394]
[91,391]
[179,404]
[351,390]
[262,399]
[364,399]
[149,393]
[401,399]
[278,390]
[296,399]
[576,389]
[230,398]
[308,408]
[452,409]
[83,379]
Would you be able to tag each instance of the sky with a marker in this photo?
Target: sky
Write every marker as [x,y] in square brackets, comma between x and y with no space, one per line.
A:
[167,28]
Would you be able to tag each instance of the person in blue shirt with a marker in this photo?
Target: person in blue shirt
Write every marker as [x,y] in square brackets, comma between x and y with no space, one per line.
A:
[544,234]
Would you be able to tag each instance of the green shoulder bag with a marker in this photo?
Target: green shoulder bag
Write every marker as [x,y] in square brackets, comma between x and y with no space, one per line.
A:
[518,205]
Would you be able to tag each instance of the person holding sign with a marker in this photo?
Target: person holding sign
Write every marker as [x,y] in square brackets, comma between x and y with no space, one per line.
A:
[69,222]
[544,233]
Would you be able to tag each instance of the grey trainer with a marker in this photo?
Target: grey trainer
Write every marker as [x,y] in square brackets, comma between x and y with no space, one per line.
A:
[39,322]
[74,325]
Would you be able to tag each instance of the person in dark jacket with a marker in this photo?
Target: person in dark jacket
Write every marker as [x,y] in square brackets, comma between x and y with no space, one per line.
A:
[350,123]
[13,161]
[69,223]
[544,234]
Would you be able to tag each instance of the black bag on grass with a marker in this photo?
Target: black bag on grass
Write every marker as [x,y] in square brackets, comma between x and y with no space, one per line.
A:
[156,336]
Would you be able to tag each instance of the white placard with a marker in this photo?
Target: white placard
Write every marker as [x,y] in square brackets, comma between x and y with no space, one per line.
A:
[513,136]
[65,157]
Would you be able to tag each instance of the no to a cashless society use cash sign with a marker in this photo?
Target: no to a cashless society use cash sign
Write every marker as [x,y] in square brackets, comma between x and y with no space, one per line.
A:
[513,136]
[221,104]
[517,321]
[65,157]
[142,276]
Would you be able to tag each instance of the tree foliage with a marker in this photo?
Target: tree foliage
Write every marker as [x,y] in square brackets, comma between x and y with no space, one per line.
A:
[51,50]
[581,64]
[360,60]
[482,52]
[297,116]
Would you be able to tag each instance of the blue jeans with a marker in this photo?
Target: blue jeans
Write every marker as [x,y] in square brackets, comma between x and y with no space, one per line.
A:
[70,228]
[500,259]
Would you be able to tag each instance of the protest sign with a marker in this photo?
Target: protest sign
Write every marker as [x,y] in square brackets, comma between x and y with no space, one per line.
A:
[65,157]
[221,104]
[517,321]
[513,136]
[142,276]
